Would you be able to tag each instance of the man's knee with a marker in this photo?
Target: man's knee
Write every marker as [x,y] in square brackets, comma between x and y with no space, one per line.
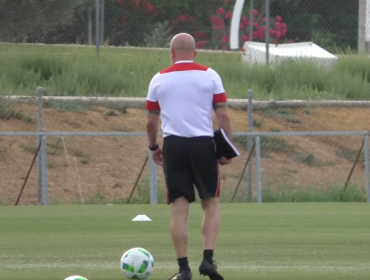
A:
[180,206]
[210,202]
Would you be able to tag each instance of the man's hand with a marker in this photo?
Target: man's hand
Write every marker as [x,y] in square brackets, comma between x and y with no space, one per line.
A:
[157,156]
[224,161]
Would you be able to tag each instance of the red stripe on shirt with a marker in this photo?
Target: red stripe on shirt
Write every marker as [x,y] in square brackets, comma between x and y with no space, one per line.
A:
[150,105]
[219,98]
[189,66]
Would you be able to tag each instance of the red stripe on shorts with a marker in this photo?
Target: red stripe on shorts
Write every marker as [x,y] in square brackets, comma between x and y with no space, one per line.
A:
[218,182]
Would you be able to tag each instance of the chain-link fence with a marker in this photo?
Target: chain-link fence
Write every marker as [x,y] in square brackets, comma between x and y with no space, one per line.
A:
[301,168]
[332,24]
[115,169]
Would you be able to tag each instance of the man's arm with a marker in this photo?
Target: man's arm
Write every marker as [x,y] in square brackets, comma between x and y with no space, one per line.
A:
[152,124]
[223,119]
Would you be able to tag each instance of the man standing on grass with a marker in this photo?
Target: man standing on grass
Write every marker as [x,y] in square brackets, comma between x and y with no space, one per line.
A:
[183,95]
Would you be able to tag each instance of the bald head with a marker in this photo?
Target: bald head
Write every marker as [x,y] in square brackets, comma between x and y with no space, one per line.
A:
[182,47]
[183,42]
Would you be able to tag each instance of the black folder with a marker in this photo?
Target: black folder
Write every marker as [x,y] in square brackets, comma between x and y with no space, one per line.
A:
[224,147]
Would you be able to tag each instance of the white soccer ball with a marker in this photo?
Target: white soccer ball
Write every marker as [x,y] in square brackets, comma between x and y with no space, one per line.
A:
[137,263]
[75,277]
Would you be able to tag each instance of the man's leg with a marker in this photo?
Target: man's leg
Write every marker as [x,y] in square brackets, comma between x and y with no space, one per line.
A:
[206,178]
[211,225]
[180,192]
[179,233]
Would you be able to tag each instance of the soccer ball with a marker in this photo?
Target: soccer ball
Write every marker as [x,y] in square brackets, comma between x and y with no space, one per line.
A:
[137,263]
[75,277]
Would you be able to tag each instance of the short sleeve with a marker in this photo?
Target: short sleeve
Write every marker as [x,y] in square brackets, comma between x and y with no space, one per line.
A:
[219,94]
[151,100]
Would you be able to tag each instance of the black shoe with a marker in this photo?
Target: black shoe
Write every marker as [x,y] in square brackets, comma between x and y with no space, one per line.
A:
[210,270]
[184,275]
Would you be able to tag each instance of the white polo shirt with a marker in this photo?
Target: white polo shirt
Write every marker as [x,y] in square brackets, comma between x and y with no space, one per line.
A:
[185,93]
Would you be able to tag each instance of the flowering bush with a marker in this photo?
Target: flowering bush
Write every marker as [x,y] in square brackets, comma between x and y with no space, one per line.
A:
[221,23]
[212,31]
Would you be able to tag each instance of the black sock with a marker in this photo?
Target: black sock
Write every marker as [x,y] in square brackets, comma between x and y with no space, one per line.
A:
[183,264]
[208,256]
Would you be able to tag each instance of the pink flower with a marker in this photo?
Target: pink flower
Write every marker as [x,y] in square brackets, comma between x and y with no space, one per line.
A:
[264,19]
[279,19]
[245,22]
[182,18]
[255,12]
[220,11]
[191,18]
[119,2]
[256,34]
[218,23]
[272,33]
[225,38]
[245,38]
[201,44]
[256,25]
[278,25]
[150,6]
[200,35]
[229,14]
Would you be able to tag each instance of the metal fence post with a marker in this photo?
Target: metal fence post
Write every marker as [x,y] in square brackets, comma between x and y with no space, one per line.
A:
[258,168]
[44,164]
[367,166]
[89,24]
[102,22]
[362,17]
[39,156]
[251,26]
[250,140]
[153,180]
[97,27]
[267,32]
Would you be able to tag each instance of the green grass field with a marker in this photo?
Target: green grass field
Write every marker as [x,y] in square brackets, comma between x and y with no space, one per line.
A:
[257,241]
[77,71]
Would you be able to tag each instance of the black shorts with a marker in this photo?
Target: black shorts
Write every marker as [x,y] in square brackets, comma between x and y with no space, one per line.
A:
[189,163]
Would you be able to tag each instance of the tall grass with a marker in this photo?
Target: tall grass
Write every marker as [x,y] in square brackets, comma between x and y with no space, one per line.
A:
[353,193]
[77,71]
[334,193]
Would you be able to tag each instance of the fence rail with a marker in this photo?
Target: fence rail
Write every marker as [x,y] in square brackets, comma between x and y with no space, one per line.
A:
[274,158]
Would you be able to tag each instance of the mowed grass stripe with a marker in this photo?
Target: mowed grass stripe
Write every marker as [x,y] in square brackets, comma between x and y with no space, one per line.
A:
[256,241]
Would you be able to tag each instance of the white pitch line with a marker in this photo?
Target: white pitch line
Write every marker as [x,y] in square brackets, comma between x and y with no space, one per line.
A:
[99,266]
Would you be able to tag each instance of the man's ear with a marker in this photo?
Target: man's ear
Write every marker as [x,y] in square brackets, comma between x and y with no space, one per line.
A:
[195,54]
[173,55]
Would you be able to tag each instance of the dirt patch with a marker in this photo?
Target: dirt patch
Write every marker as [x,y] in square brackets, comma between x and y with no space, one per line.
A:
[106,167]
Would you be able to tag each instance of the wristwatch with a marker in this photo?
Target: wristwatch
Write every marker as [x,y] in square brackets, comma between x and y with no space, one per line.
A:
[154,148]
